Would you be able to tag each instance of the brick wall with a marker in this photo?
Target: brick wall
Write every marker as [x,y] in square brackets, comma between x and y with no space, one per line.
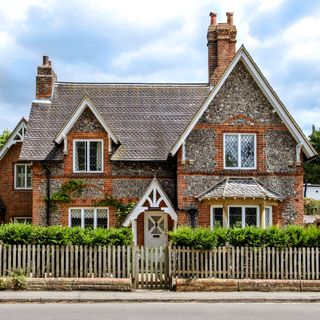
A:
[17,202]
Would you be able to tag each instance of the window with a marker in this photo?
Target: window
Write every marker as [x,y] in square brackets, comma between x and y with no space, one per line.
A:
[89,217]
[241,216]
[23,176]
[88,156]
[22,220]
[239,151]
[268,216]
[216,216]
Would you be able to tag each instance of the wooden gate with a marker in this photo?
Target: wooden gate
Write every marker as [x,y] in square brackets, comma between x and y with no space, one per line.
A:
[151,268]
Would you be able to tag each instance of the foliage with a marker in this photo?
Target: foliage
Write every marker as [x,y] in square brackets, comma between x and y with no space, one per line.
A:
[68,190]
[312,168]
[122,209]
[3,284]
[55,235]
[18,279]
[4,137]
[205,238]
[311,206]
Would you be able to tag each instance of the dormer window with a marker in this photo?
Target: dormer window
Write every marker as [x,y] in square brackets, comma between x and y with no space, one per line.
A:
[88,156]
[239,151]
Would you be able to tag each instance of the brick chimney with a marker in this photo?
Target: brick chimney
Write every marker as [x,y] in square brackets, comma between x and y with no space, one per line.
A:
[221,46]
[45,79]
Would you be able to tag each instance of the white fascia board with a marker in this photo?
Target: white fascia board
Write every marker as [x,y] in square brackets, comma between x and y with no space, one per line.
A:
[10,142]
[86,103]
[287,119]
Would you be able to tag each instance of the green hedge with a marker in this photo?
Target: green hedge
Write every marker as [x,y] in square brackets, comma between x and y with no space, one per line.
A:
[311,206]
[13,233]
[205,238]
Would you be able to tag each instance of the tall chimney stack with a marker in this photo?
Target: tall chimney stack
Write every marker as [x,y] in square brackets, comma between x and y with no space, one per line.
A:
[221,46]
[45,80]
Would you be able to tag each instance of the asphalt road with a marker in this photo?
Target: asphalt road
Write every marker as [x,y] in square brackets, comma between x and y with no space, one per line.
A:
[161,311]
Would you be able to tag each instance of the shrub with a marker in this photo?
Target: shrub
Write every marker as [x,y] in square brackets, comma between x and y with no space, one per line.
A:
[311,206]
[55,235]
[18,279]
[205,238]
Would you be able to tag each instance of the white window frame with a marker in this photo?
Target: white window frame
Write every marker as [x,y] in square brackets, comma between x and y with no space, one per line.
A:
[211,215]
[94,215]
[239,150]
[265,216]
[87,155]
[25,178]
[16,219]
[243,214]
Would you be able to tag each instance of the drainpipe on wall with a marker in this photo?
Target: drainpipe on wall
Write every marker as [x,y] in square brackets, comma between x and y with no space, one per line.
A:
[48,176]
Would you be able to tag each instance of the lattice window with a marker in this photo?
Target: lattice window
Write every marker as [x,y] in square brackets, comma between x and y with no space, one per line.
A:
[235,217]
[217,217]
[76,217]
[23,176]
[88,156]
[89,217]
[268,216]
[239,151]
[102,218]
[251,216]
[241,216]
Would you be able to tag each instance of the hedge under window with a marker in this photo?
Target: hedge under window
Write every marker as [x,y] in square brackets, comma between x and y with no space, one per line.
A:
[89,217]
[88,156]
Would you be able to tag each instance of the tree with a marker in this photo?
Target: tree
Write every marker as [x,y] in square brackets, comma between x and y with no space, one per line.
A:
[4,137]
[312,168]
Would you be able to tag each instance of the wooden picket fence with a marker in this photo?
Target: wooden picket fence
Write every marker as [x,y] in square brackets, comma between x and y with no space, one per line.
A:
[154,268]
[246,263]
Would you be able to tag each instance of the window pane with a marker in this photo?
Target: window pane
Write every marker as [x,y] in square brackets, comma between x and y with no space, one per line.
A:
[89,218]
[251,216]
[247,151]
[102,218]
[95,156]
[235,216]
[81,151]
[20,176]
[75,218]
[29,176]
[231,151]
[217,217]
[268,217]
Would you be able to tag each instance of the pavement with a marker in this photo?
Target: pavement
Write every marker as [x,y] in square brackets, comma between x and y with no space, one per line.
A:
[153,296]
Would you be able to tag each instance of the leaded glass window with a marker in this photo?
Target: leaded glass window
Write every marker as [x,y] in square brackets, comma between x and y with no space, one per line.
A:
[241,216]
[23,176]
[217,217]
[268,216]
[88,217]
[88,156]
[239,151]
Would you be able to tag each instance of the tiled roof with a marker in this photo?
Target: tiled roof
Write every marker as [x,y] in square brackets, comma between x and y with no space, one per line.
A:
[147,119]
[239,188]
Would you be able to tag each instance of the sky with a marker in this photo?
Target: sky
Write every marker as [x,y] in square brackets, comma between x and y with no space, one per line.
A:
[156,41]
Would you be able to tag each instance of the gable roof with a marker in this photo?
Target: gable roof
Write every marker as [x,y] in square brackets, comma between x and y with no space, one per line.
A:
[153,197]
[239,188]
[17,135]
[243,55]
[146,119]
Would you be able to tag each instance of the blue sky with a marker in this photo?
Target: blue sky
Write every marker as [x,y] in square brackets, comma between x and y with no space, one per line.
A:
[155,41]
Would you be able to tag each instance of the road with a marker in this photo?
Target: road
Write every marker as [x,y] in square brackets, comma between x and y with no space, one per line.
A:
[160,311]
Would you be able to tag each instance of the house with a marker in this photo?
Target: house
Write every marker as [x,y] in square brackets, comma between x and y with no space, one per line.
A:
[223,152]
[312,191]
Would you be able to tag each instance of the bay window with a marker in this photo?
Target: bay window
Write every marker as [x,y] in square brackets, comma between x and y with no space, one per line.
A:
[241,216]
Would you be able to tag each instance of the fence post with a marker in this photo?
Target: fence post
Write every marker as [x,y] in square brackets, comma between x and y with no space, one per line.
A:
[169,263]
[228,260]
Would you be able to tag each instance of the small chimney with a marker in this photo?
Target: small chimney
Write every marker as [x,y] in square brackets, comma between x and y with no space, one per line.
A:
[221,46]
[45,80]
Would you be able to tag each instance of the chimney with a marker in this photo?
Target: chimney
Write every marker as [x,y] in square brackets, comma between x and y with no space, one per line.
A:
[221,46]
[45,79]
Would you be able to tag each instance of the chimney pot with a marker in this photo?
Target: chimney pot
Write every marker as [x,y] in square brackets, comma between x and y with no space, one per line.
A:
[230,18]
[213,20]
[45,60]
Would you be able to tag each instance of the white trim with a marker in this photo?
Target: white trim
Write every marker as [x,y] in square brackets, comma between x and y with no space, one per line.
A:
[183,156]
[41,101]
[278,106]
[243,220]
[16,219]
[265,216]
[25,178]
[211,214]
[83,217]
[87,156]
[239,150]
[152,190]
[11,141]
[86,103]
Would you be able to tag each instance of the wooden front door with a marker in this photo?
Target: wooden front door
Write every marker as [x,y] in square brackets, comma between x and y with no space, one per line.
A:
[155,229]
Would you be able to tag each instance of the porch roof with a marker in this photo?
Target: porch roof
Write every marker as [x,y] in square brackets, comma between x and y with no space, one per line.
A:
[234,187]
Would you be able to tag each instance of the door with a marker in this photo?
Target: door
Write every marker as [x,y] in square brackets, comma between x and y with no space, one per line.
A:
[155,229]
